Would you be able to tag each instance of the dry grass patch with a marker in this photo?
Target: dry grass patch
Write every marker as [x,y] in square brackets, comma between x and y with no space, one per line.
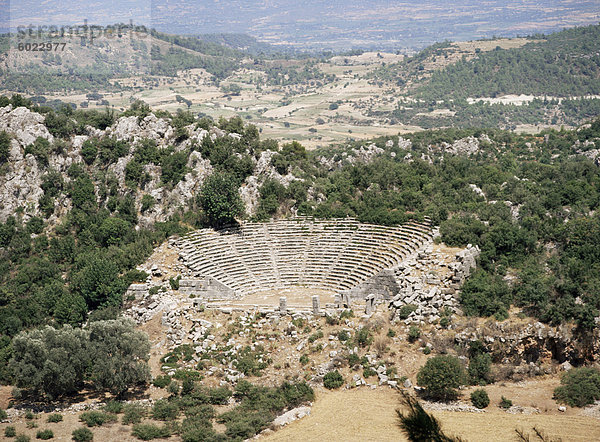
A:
[369,415]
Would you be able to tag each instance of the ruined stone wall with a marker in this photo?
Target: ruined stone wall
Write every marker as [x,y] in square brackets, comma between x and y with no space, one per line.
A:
[424,285]
[384,285]
[206,288]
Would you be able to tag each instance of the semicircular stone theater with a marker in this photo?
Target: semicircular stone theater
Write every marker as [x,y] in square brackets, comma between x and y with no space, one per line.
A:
[338,255]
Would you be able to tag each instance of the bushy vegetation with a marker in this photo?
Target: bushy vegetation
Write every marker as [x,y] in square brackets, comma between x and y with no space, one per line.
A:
[418,425]
[333,380]
[441,376]
[112,354]
[4,147]
[505,403]
[220,200]
[480,398]
[260,405]
[560,63]
[96,418]
[556,65]
[82,434]
[164,410]
[133,414]
[479,369]
[150,431]
[55,417]
[579,387]
[44,434]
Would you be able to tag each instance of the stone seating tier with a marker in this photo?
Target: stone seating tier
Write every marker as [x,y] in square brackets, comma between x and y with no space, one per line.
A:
[333,254]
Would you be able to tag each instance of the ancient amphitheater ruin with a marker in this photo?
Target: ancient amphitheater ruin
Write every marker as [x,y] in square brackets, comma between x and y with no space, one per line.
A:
[304,266]
[336,261]
[337,255]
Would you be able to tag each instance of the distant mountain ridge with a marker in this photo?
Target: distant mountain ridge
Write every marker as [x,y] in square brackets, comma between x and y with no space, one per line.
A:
[316,24]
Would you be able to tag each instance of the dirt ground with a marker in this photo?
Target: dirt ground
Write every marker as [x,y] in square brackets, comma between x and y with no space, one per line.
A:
[297,297]
[369,415]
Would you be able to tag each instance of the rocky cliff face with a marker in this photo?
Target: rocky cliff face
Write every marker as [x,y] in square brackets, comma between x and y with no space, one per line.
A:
[263,170]
[21,178]
[20,185]
[531,344]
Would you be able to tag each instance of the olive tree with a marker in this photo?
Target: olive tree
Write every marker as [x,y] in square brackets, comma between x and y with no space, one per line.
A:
[54,362]
[441,376]
[119,355]
[50,361]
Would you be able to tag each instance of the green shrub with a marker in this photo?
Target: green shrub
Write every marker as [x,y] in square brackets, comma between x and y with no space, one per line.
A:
[579,387]
[173,388]
[368,372]
[96,418]
[55,417]
[82,434]
[245,426]
[347,314]
[3,414]
[485,294]
[441,376]
[405,311]
[251,362]
[148,202]
[164,410]
[330,320]
[353,359]
[133,414]
[343,335]
[113,407]
[197,428]
[317,335]
[219,395]
[299,322]
[150,431]
[89,151]
[44,434]
[162,381]
[426,350]
[505,403]
[418,425]
[333,380]
[479,369]
[445,321]
[10,431]
[22,438]
[4,147]
[40,149]
[174,282]
[259,405]
[480,398]
[414,333]
[204,411]
[48,353]
[219,198]
[363,337]
[391,333]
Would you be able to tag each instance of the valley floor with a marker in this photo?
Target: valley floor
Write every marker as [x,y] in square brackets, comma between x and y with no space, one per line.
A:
[369,415]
